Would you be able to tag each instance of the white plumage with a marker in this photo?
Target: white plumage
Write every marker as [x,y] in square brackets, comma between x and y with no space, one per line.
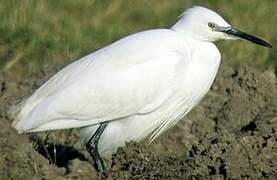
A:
[142,84]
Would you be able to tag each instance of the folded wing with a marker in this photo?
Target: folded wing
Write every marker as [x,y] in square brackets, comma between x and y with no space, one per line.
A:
[132,76]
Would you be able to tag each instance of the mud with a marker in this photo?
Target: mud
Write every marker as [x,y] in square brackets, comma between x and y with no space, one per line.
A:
[232,134]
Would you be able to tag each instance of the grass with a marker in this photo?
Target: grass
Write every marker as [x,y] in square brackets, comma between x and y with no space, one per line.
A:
[36,34]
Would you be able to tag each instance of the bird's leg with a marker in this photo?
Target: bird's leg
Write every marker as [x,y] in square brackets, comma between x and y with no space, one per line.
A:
[92,147]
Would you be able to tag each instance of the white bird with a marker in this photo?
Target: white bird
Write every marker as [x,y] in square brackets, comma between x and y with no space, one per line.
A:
[135,88]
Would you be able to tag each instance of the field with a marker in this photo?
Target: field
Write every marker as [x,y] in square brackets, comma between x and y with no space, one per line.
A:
[232,134]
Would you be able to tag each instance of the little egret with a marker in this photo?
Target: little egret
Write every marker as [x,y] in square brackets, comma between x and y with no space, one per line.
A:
[133,89]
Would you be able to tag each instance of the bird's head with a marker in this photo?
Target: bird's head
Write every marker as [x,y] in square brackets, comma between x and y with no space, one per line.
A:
[203,24]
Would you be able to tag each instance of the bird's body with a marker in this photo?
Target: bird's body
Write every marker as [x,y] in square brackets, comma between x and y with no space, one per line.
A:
[114,84]
[138,86]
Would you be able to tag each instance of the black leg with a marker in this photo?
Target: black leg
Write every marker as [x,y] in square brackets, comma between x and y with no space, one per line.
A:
[92,147]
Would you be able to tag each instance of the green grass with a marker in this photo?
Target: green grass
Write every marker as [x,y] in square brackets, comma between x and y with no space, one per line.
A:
[36,34]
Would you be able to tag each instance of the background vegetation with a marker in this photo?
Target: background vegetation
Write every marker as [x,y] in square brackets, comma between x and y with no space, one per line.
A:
[38,34]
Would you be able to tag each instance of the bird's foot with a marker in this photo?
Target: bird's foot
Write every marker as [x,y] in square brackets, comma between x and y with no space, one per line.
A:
[99,162]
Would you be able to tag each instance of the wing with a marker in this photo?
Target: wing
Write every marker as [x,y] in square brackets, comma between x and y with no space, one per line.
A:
[132,76]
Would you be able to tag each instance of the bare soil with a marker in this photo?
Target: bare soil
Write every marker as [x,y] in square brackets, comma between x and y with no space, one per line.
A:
[232,134]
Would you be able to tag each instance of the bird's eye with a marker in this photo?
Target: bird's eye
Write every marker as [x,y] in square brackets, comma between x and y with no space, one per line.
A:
[211,25]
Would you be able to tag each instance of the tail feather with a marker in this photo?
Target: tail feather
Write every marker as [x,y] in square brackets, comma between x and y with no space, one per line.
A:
[15,113]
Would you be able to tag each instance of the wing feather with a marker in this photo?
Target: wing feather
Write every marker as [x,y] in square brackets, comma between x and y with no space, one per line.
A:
[120,80]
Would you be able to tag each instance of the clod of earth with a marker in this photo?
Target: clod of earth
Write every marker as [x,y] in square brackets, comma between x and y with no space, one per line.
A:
[232,134]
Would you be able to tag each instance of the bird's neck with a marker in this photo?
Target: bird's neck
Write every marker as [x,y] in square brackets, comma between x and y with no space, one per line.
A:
[189,39]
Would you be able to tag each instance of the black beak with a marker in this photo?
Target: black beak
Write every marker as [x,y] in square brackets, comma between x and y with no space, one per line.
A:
[234,32]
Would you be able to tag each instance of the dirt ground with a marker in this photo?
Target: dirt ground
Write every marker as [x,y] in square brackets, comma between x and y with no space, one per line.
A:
[232,134]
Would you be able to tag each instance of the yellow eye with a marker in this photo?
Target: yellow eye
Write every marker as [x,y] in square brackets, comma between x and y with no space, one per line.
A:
[211,25]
